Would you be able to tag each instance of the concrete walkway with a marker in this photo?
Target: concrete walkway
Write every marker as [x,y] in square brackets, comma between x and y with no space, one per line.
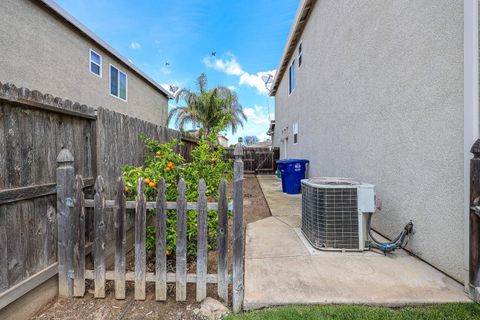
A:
[280,268]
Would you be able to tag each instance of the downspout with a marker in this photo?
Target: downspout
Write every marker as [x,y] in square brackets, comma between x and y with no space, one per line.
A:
[471,115]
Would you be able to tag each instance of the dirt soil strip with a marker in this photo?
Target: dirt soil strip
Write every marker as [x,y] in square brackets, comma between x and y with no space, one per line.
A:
[255,208]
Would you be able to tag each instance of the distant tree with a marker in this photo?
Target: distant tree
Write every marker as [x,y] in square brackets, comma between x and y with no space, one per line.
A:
[208,108]
[249,140]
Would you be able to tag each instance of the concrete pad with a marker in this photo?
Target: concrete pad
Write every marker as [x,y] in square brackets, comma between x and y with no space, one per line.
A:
[346,280]
[281,204]
[281,268]
[293,221]
[271,237]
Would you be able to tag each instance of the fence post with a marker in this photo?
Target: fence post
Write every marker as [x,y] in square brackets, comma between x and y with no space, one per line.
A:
[65,180]
[238,253]
[475,219]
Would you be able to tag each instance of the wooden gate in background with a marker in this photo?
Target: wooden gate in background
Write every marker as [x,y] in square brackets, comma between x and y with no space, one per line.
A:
[71,215]
[259,160]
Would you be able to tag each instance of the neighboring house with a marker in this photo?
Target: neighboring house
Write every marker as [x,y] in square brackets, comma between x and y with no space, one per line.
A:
[42,47]
[375,90]
[263,144]
[222,140]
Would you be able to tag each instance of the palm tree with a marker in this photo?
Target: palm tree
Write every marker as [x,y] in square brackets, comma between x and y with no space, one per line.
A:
[208,108]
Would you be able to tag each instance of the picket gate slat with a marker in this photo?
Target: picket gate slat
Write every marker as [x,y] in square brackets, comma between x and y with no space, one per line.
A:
[120,240]
[238,253]
[100,236]
[222,235]
[202,241]
[79,231]
[181,247]
[140,235]
[161,244]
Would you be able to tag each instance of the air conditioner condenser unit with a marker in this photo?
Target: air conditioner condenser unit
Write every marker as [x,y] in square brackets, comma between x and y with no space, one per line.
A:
[334,213]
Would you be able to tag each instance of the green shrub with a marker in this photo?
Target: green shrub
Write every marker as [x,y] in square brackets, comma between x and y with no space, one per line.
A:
[162,161]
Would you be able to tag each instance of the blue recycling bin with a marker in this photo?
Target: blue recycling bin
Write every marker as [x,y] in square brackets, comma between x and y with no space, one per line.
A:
[293,171]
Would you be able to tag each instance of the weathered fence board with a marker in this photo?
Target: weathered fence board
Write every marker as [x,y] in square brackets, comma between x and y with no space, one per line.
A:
[223,242]
[140,237]
[202,241]
[161,243]
[65,182]
[79,244]
[3,159]
[110,204]
[3,250]
[100,238]
[41,245]
[151,277]
[238,253]
[181,243]
[120,240]
[52,227]
[28,193]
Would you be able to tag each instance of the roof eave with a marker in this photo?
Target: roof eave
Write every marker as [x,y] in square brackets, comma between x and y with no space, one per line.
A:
[301,19]
[87,32]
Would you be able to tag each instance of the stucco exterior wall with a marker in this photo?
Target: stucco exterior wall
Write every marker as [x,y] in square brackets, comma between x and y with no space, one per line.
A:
[379,97]
[40,50]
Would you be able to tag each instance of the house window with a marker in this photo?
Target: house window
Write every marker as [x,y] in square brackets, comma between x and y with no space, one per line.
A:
[295,133]
[118,83]
[95,63]
[291,78]
[299,55]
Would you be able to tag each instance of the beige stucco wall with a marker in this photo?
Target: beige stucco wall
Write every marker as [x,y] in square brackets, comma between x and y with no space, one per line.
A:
[379,97]
[40,51]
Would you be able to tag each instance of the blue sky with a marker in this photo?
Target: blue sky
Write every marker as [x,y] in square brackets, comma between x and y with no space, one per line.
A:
[248,37]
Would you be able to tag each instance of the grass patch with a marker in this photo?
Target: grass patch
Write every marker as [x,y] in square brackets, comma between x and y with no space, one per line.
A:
[464,311]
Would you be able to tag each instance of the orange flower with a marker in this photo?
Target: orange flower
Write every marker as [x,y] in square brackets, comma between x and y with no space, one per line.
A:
[152,184]
[147,181]
[126,190]
[170,166]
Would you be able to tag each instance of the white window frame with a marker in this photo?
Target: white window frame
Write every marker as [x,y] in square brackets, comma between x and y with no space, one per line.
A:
[300,54]
[295,133]
[290,69]
[91,61]
[118,83]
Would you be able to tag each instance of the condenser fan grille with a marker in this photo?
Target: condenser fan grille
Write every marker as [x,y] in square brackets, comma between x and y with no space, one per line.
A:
[330,216]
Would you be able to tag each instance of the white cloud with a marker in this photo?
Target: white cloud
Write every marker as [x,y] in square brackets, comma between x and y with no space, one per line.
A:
[232,88]
[263,137]
[135,45]
[230,66]
[257,115]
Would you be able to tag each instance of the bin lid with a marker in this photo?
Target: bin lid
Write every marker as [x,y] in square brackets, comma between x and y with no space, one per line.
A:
[288,161]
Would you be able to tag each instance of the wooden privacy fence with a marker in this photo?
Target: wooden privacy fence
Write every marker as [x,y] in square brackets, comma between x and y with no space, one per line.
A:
[34,127]
[71,204]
